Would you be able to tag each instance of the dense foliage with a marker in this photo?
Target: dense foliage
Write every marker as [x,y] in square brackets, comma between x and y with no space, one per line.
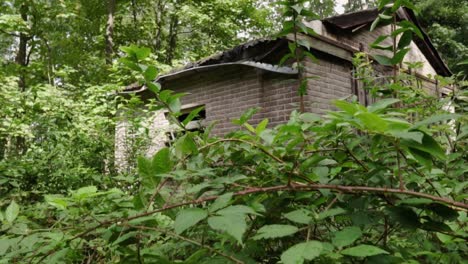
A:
[384,183]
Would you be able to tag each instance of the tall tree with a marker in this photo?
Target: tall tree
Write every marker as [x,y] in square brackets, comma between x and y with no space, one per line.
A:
[21,55]
[356,5]
[324,8]
[446,22]
[110,30]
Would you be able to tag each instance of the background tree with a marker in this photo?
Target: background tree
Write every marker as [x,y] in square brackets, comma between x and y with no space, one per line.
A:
[356,5]
[446,23]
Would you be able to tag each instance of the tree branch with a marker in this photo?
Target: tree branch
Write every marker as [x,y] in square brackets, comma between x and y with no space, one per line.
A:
[460,206]
[243,141]
[233,259]
[293,187]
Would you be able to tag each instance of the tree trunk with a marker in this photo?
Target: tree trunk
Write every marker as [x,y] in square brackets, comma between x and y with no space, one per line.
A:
[21,56]
[136,32]
[110,31]
[172,38]
[159,15]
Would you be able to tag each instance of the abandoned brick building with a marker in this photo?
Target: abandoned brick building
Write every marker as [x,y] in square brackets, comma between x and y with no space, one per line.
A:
[248,75]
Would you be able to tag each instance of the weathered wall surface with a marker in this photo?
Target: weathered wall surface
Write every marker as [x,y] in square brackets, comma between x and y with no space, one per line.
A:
[333,82]
[362,38]
[228,91]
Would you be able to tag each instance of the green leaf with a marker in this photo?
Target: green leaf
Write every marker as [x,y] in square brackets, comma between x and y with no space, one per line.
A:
[363,251]
[237,210]
[162,162]
[404,216]
[304,43]
[347,236]
[409,25]
[299,216]
[298,8]
[399,56]
[150,73]
[309,15]
[421,156]
[380,105]
[196,257]
[395,6]
[274,231]
[185,145]
[385,17]
[188,218]
[232,224]
[372,121]
[130,64]
[405,39]
[57,201]
[125,237]
[192,115]
[331,212]
[261,127]
[300,252]
[139,53]
[292,47]
[285,58]
[410,5]
[443,211]
[379,40]
[221,202]
[375,24]
[322,173]
[174,104]
[311,56]
[428,145]
[154,87]
[85,192]
[383,60]
[463,63]
[349,108]
[397,125]
[145,171]
[309,117]
[383,3]
[436,119]
[414,201]
[245,116]
[416,136]
[12,212]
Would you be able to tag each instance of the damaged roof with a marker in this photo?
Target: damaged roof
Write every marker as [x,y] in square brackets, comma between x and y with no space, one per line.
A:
[259,53]
[356,20]
[348,22]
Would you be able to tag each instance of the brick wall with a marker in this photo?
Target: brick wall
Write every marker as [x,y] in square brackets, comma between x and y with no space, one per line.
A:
[228,91]
[333,82]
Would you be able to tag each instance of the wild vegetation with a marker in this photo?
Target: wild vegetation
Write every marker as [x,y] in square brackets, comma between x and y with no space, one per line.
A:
[384,183]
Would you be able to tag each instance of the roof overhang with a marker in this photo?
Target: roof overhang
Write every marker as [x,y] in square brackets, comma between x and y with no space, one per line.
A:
[199,69]
[351,22]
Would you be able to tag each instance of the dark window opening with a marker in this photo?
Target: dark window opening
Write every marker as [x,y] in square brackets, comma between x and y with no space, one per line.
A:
[195,125]
[201,115]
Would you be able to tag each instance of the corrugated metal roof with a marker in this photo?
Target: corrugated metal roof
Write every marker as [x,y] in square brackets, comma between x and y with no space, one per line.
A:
[193,70]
